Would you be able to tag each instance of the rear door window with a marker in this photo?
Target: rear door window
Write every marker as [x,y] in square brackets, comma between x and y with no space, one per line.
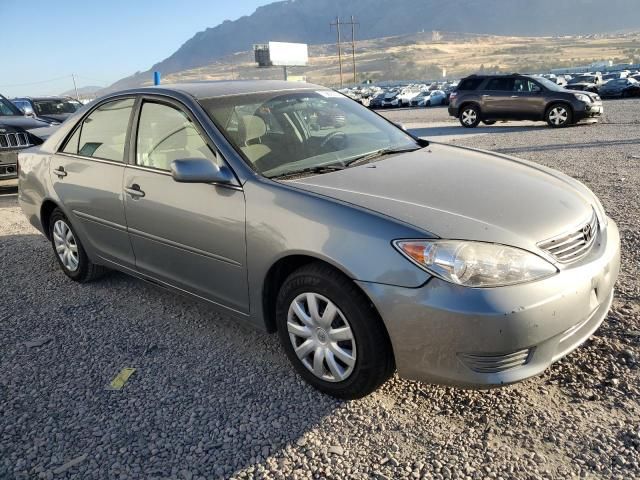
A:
[501,84]
[103,133]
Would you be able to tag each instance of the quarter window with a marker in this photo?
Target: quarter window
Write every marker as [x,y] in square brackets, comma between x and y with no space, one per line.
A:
[103,133]
[166,134]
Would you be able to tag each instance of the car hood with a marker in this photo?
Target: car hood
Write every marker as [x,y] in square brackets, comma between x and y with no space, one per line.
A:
[26,123]
[55,117]
[459,193]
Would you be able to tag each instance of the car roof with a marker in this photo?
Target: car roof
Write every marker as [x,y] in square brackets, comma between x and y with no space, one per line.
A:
[48,97]
[230,87]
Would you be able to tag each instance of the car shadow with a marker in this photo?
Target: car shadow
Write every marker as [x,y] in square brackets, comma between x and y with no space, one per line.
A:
[569,146]
[458,130]
[208,394]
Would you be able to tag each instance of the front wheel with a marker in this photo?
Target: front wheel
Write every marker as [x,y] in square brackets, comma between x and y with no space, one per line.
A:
[470,116]
[332,334]
[558,116]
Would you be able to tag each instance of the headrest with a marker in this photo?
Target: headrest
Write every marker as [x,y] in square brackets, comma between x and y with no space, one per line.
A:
[253,126]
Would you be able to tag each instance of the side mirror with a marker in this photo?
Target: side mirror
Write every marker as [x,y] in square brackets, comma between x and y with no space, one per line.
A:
[199,170]
[28,111]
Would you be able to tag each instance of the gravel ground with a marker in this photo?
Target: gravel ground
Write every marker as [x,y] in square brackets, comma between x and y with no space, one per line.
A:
[211,399]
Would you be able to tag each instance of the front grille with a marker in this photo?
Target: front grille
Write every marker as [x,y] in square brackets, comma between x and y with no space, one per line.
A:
[495,363]
[14,140]
[571,246]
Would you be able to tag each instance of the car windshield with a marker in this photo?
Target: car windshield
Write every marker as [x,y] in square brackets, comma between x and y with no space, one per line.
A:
[9,109]
[549,84]
[54,106]
[283,133]
[584,78]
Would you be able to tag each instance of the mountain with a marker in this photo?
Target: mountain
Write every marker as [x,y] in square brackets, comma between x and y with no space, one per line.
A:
[308,21]
[88,90]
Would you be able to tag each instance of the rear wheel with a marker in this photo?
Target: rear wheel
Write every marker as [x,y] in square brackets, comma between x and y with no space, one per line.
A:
[470,116]
[69,252]
[559,115]
[332,334]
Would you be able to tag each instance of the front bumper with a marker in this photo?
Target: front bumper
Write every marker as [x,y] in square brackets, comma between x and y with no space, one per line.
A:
[591,110]
[8,165]
[481,337]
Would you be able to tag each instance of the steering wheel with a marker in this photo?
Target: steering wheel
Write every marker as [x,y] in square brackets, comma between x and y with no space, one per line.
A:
[337,139]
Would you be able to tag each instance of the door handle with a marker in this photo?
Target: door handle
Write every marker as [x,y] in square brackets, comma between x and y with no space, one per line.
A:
[134,191]
[60,172]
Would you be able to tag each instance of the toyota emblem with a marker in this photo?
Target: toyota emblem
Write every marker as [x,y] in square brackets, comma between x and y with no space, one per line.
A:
[587,232]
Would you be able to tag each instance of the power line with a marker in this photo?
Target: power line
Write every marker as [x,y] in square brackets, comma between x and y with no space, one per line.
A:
[353,24]
[35,83]
[337,25]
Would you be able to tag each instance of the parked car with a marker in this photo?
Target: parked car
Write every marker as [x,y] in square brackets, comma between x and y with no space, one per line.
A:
[427,99]
[16,133]
[621,87]
[585,83]
[613,76]
[356,244]
[390,99]
[489,98]
[51,109]
[376,101]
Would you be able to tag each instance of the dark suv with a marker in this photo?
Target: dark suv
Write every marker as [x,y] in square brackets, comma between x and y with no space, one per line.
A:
[487,98]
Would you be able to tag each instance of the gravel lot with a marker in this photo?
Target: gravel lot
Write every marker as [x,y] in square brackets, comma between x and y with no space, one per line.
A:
[211,399]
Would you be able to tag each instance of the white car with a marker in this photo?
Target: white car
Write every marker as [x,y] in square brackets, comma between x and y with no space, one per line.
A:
[428,99]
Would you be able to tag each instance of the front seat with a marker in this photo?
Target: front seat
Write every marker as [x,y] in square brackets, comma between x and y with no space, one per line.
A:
[252,129]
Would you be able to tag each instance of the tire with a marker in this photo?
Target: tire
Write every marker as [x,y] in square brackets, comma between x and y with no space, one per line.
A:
[469,116]
[75,264]
[488,122]
[368,362]
[428,104]
[559,115]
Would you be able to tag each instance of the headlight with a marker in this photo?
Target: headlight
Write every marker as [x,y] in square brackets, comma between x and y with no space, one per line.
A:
[582,97]
[475,264]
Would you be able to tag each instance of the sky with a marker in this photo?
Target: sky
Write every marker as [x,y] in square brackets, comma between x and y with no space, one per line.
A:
[100,41]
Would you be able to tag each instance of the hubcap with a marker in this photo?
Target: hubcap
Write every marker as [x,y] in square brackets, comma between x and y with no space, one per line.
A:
[558,115]
[321,337]
[469,117]
[66,246]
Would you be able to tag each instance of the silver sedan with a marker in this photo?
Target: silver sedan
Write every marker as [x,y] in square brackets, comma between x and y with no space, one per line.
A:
[295,209]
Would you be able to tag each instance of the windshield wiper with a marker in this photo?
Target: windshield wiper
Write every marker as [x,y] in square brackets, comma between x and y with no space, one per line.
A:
[315,169]
[379,153]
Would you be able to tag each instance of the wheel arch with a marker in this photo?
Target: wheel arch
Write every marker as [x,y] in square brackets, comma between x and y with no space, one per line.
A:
[467,103]
[278,273]
[46,209]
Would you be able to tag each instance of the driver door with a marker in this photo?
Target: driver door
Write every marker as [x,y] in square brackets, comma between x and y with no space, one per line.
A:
[188,235]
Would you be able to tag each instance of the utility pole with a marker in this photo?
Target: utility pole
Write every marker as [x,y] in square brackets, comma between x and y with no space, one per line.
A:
[337,25]
[73,77]
[353,47]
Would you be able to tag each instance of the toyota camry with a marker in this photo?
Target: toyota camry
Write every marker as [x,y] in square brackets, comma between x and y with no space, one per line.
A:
[295,209]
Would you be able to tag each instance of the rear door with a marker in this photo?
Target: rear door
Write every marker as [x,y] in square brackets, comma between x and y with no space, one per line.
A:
[87,177]
[528,100]
[496,98]
[188,235]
